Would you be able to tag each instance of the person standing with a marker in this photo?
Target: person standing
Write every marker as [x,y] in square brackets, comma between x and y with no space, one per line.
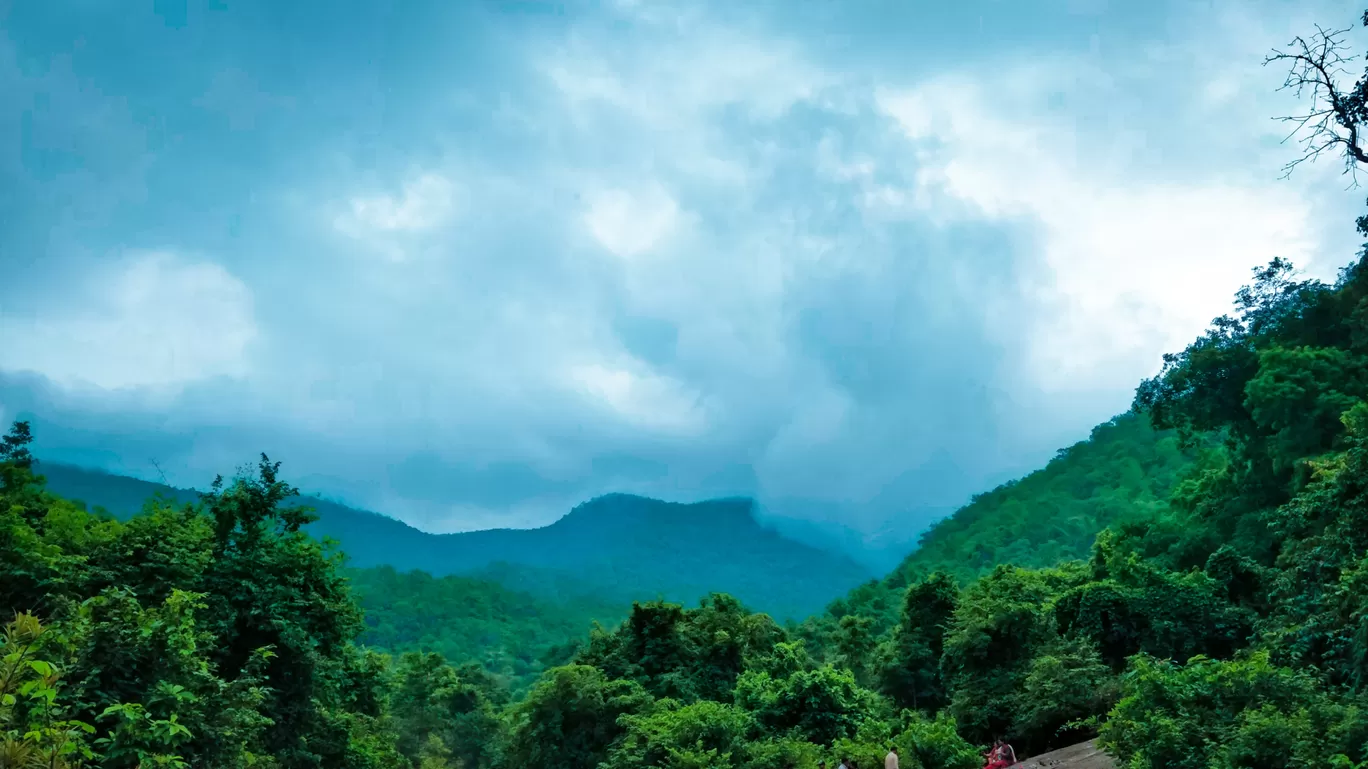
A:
[891,760]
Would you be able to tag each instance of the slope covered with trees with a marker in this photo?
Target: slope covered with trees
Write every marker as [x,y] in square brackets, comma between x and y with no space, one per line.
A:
[1219,618]
[1124,471]
[511,634]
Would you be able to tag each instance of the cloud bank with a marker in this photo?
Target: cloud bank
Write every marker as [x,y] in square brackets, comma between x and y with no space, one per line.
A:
[470,264]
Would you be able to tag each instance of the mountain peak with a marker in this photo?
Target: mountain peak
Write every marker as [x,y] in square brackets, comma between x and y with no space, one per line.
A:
[618,509]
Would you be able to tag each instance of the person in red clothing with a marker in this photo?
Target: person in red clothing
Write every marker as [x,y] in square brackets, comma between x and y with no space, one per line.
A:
[1001,756]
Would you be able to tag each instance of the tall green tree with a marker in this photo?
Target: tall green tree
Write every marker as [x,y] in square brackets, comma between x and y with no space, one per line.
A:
[269,586]
[456,707]
[571,719]
[911,659]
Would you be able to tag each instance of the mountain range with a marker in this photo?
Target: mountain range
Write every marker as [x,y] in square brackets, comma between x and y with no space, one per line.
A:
[616,547]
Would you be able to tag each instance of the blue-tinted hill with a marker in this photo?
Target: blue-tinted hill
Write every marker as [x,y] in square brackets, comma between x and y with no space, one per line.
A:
[618,547]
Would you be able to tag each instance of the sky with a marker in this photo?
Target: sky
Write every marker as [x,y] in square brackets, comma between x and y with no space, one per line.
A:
[469,263]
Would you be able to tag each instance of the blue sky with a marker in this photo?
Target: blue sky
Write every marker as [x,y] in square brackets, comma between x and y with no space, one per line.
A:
[469,263]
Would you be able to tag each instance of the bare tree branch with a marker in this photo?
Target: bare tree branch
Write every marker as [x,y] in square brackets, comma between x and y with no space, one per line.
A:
[1336,118]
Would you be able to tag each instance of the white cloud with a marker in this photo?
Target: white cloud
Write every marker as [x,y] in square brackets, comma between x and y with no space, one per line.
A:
[640,397]
[389,222]
[819,421]
[663,95]
[151,320]
[631,224]
[425,203]
[1134,265]
[812,327]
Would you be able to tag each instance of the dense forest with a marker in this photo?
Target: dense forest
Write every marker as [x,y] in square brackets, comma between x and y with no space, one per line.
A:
[219,634]
[1189,585]
[511,634]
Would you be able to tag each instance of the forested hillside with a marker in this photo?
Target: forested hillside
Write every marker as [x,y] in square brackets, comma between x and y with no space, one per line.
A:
[618,547]
[1125,471]
[1218,620]
[511,634]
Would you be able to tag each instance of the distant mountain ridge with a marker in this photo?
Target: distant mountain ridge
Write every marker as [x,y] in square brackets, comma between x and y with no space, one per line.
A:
[616,546]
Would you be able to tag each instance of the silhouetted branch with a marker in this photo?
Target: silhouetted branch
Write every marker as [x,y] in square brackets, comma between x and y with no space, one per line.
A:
[1335,116]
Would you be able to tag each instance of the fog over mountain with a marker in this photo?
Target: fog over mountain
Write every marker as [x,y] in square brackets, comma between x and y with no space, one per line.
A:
[471,264]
